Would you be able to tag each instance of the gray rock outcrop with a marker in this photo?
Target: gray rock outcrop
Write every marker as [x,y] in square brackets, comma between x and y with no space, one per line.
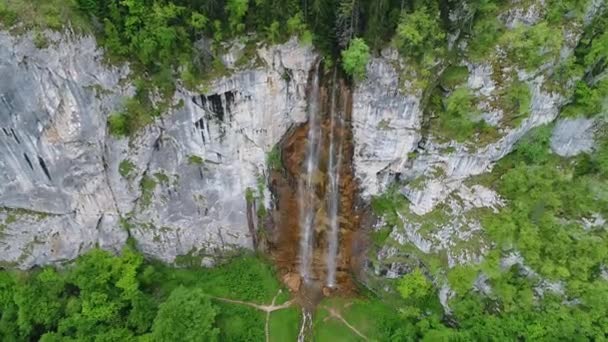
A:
[573,136]
[435,174]
[66,185]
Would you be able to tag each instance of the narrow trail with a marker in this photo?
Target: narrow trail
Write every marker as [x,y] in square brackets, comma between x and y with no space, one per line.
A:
[268,309]
[267,325]
[335,314]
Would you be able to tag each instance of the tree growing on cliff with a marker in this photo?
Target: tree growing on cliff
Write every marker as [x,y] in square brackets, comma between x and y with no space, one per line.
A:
[419,32]
[355,58]
[236,10]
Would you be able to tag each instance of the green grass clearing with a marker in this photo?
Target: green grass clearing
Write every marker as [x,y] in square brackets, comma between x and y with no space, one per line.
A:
[284,324]
[245,278]
[240,322]
[329,329]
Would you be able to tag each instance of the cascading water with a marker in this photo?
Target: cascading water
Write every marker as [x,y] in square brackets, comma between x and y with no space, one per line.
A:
[335,161]
[314,236]
[306,195]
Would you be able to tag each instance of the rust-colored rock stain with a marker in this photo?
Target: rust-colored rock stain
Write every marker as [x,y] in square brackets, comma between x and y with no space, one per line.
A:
[284,237]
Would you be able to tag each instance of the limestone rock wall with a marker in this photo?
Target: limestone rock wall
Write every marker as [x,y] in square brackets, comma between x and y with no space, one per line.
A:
[61,191]
[392,144]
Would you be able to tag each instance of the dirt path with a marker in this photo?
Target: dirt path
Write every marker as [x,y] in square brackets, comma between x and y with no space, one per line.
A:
[337,315]
[266,308]
[267,325]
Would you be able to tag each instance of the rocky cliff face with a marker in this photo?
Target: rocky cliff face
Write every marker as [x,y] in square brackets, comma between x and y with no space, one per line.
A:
[179,185]
[391,144]
[66,185]
[55,196]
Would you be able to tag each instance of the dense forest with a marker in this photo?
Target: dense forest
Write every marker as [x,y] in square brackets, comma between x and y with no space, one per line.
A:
[102,297]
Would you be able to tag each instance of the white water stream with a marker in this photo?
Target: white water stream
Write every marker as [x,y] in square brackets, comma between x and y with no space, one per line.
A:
[335,160]
[306,191]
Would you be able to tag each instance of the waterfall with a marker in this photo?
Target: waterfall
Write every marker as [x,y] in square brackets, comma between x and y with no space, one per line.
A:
[306,195]
[335,160]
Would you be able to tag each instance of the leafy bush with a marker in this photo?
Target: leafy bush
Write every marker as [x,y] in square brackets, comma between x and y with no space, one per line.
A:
[125,168]
[461,278]
[147,186]
[118,125]
[420,38]
[516,102]
[272,32]
[239,323]
[187,315]
[486,32]
[236,10]
[588,101]
[534,147]
[388,204]
[414,285]
[297,26]
[40,40]
[273,159]
[456,112]
[121,298]
[195,160]
[419,32]
[355,58]
[532,46]
[137,112]
[454,76]
[8,17]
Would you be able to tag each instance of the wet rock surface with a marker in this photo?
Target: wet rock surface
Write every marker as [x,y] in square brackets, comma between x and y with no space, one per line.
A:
[287,230]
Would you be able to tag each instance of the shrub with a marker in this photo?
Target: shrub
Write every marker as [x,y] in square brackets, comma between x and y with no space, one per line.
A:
[147,185]
[273,159]
[534,147]
[455,115]
[355,58]
[419,32]
[40,40]
[486,33]
[297,26]
[272,32]
[117,124]
[187,315]
[587,101]
[532,46]
[195,160]
[517,100]
[125,168]
[137,113]
[8,17]
[454,76]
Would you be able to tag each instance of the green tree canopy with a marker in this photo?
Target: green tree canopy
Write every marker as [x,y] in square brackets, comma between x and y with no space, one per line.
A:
[355,58]
[187,315]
